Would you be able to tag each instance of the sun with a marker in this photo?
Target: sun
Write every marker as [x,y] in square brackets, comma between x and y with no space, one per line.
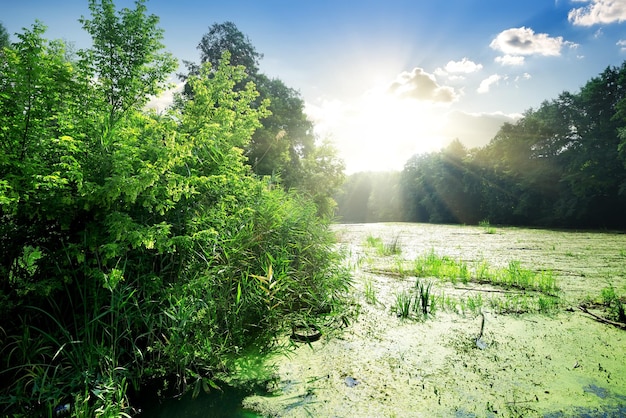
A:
[380,132]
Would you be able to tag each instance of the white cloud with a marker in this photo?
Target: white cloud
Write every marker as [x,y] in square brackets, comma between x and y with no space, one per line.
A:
[422,86]
[524,41]
[511,60]
[464,66]
[524,76]
[440,72]
[622,44]
[165,99]
[599,11]
[486,84]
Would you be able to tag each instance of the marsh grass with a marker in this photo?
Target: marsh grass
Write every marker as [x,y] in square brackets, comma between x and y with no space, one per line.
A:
[402,306]
[384,249]
[614,304]
[425,300]
[513,276]
[370,293]
[530,291]
[418,302]
[443,267]
[486,226]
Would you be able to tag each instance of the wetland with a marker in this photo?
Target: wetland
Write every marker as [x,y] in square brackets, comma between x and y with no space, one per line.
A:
[482,349]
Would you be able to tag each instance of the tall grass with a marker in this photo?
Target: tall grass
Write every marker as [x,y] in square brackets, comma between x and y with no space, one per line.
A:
[443,267]
[420,301]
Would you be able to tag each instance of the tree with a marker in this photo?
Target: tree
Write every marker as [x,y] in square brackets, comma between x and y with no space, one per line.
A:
[285,146]
[126,61]
[223,37]
[135,245]
[286,138]
[4,37]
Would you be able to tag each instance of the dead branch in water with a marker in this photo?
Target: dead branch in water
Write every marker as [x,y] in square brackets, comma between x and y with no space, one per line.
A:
[603,320]
[476,289]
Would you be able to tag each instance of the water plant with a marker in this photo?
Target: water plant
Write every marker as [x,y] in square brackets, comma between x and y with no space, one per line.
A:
[614,304]
[402,306]
[425,303]
[370,293]
[486,226]
[444,267]
[513,276]
[382,248]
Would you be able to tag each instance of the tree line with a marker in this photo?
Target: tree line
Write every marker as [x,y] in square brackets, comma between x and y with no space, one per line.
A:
[150,247]
[562,164]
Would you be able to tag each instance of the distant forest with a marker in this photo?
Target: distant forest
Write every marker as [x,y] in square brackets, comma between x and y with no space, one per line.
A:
[561,165]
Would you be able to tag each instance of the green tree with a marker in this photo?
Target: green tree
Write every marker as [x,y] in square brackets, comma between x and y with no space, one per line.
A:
[136,245]
[126,62]
[285,146]
[286,138]
[4,37]
[223,37]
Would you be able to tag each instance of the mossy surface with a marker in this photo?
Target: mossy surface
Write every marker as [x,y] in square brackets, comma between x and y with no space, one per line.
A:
[557,363]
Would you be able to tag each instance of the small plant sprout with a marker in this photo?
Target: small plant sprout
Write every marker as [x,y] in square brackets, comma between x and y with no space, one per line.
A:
[486,226]
[370,293]
[402,306]
[425,301]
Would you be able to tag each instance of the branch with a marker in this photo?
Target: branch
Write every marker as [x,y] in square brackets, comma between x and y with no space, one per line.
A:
[603,320]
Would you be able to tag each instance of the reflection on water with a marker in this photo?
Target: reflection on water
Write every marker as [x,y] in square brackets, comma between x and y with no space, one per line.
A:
[226,404]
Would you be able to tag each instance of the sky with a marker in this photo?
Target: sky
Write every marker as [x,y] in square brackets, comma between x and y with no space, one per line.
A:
[387,79]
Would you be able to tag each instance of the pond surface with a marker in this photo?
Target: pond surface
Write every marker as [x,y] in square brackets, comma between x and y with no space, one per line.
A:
[547,365]
[224,404]
[560,364]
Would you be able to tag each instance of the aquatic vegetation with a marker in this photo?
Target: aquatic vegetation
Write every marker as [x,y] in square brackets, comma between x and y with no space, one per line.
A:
[370,293]
[382,248]
[443,267]
[614,304]
[425,302]
[402,307]
[487,226]
[513,276]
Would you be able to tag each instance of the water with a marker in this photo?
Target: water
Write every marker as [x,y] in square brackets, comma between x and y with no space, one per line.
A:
[225,404]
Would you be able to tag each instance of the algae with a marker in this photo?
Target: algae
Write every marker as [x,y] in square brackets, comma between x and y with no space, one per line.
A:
[556,365]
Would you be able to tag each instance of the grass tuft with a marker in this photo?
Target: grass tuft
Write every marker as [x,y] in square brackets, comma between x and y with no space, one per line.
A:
[486,226]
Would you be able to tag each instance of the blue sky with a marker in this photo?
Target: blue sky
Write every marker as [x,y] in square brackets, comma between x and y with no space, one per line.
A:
[387,79]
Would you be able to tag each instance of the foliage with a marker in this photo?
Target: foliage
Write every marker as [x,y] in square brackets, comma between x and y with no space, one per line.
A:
[370,293]
[486,226]
[284,147]
[4,37]
[420,301]
[225,37]
[514,276]
[424,299]
[139,246]
[615,305]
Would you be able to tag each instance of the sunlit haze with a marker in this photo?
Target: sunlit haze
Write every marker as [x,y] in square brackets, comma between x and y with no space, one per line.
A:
[385,80]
